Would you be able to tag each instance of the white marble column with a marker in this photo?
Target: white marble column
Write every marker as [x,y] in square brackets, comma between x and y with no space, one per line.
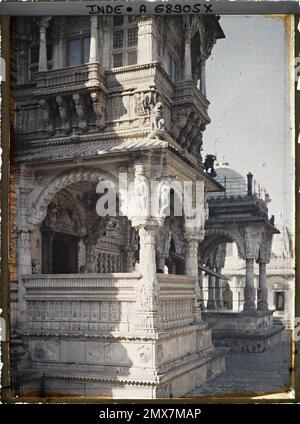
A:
[211,302]
[187,56]
[249,291]
[147,315]
[146,47]
[94,40]
[191,266]
[203,76]
[43,24]
[200,280]
[24,268]
[219,291]
[262,293]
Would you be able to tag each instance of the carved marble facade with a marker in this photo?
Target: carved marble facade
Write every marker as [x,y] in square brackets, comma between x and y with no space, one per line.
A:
[116,296]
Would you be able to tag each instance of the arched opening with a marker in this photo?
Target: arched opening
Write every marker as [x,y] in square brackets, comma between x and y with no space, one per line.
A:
[218,288]
[61,232]
[175,262]
[73,238]
[64,254]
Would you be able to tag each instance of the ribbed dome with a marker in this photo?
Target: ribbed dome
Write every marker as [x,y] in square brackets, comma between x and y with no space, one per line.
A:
[233,182]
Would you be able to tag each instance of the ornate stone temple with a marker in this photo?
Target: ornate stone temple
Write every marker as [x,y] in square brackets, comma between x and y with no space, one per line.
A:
[280,270]
[110,304]
[239,216]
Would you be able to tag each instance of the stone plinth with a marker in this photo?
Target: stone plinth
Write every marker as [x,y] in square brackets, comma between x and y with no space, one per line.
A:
[244,331]
[82,338]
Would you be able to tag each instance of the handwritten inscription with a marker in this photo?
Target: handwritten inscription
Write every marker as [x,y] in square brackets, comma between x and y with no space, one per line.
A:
[159,9]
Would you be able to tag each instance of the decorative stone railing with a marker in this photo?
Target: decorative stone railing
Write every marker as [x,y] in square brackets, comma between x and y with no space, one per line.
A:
[187,92]
[189,116]
[145,75]
[72,304]
[94,304]
[88,99]
[177,294]
[66,80]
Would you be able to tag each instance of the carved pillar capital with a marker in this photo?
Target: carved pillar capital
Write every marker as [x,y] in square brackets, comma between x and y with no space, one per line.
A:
[193,234]
[252,239]
[265,248]
[43,22]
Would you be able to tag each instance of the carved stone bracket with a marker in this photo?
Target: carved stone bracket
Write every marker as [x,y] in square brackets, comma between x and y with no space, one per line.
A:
[47,115]
[188,129]
[99,107]
[81,110]
[64,113]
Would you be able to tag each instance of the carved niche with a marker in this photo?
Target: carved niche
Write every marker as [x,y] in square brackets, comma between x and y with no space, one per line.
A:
[62,216]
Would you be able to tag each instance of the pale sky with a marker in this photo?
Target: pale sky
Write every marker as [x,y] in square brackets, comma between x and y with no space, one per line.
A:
[248,88]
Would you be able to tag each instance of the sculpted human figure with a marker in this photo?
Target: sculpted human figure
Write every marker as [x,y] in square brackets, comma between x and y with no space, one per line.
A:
[164,199]
[47,116]
[63,112]
[80,110]
[141,193]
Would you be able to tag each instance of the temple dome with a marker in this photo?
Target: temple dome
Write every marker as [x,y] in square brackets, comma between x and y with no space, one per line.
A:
[234,183]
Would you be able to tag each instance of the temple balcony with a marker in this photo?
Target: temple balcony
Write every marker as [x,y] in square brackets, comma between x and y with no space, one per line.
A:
[69,80]
[87,101]
[71,99]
